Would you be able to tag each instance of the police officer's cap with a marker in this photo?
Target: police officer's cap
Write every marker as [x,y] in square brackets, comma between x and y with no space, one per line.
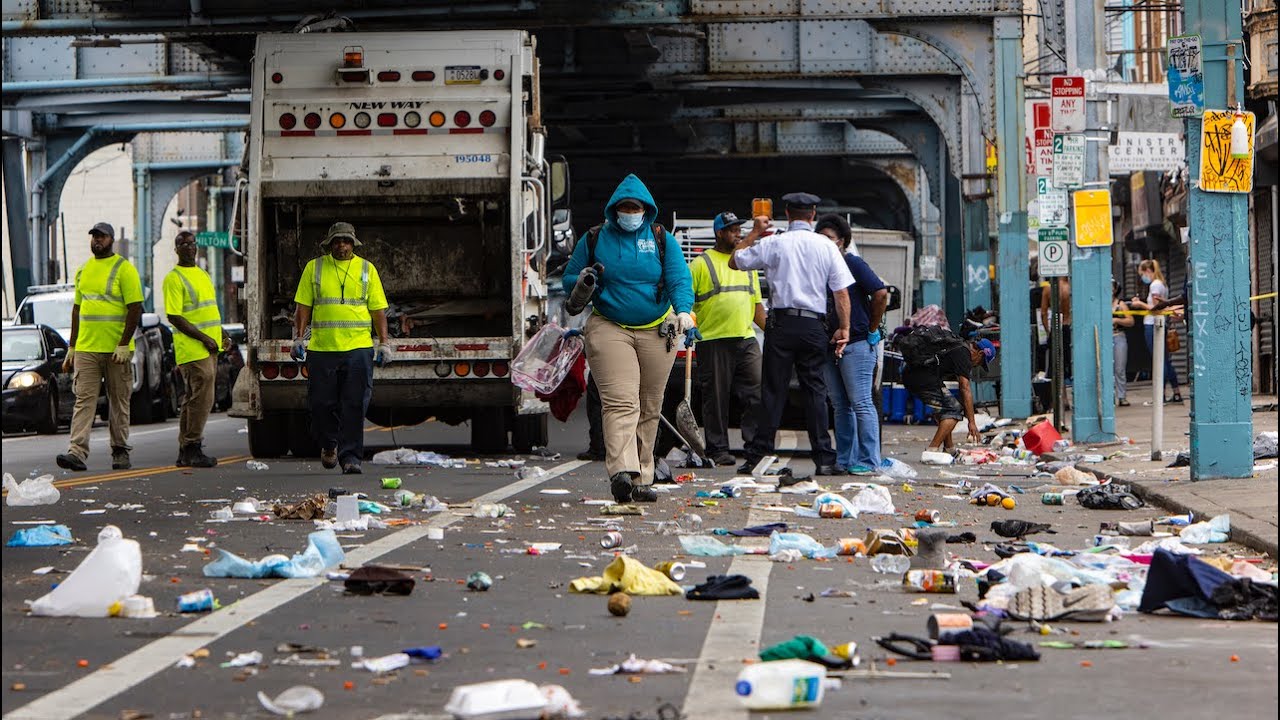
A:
[103,229]
[726,220]
[341,230]
[801,201]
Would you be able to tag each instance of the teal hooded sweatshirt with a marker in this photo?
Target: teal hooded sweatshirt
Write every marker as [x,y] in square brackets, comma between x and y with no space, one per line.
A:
[626,293]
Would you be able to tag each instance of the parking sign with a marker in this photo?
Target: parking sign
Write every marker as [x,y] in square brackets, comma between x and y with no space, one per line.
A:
[1055,257]
[1066,103]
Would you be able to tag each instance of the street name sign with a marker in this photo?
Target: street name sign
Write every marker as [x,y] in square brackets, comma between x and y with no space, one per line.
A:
[214,239]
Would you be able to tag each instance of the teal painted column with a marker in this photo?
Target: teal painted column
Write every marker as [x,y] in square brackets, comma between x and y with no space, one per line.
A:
[977,257]
[953,253]
[1013,261]
[1222,362]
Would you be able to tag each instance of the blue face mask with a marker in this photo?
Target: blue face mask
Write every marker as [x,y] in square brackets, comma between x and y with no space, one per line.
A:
[630,222]
[1146,280]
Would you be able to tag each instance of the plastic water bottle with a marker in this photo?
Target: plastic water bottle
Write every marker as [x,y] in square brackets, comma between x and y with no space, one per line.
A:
[891,564]
[781,685]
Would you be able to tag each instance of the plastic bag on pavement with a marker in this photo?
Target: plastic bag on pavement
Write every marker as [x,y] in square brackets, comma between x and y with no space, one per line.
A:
[297,699]
[809,547]
[873,499]
[628,575]
[1073,476]
[707,546]
[322,552]
[35,491]
[1215,530]
[41,536]
[105,578]
[898,470]
[1111,496]
[1264,446]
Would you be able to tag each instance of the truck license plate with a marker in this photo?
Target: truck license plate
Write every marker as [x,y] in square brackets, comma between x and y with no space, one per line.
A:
[462,75]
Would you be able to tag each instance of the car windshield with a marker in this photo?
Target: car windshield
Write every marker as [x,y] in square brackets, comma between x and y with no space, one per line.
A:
[51,312]
[22,346]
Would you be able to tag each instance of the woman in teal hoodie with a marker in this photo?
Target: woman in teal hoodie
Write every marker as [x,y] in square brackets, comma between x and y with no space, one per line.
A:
[639,290]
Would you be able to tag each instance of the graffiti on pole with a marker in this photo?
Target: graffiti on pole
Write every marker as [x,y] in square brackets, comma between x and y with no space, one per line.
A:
[1220,170]
[1186,76]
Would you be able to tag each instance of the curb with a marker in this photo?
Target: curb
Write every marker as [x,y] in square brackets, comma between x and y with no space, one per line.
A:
[1246,531]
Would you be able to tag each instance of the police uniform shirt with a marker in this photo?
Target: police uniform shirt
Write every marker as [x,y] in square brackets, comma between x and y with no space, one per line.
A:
[801,265]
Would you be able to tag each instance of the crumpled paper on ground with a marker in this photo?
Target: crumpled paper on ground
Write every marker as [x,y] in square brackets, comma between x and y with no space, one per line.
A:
[310,509]
[628,575]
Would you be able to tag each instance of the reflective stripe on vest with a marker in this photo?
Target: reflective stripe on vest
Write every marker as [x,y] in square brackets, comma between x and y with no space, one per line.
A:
[192,301]
[717,288]
[322,299]
[108,295]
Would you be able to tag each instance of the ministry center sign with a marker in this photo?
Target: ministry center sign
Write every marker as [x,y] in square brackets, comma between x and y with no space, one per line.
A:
[1137,151]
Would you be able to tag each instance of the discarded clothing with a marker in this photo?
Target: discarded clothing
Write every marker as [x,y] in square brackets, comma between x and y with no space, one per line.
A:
[628,575]
[805,647]
[565,397]
[378,580]
[1173,577]
[1111,496]
[986,645]
[724,587]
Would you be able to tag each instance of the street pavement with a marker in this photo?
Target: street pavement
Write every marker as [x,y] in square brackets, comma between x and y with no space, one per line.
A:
[1188,668]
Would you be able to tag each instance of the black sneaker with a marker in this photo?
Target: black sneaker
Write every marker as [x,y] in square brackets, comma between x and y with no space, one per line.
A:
[746,467]
[591,456]
[71,462]
[724,459]
[620,486]
[643,493]
[352,469]
[197,458]
[120,459]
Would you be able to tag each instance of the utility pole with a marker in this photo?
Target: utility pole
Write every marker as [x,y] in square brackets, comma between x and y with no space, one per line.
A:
[1092,406]
[1013,260]
[1222,371]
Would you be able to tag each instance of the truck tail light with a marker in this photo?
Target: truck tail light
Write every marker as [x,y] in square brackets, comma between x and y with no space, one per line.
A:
[303,369]
[362,120]
[462,118]
[337,121]
[312,121]
[443,369]
[412,119]
[499,74]
[389,76]
[461,369]
[481,369]
[352,56]
[270,371]
[423,75]
[487,118]
[436,119]
[500,368]
[277,78]
[288,121]
[386,119]
[289,370]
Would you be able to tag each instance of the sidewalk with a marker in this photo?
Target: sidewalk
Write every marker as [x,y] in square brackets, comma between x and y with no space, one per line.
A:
[1251,502]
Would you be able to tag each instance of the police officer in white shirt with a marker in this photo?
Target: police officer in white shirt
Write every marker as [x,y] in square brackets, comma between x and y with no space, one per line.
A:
[801,266]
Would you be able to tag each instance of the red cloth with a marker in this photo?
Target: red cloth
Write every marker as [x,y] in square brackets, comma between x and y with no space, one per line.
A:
[565,397]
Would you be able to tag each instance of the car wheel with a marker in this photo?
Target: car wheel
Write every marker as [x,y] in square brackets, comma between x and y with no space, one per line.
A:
[48,424]
[142,406]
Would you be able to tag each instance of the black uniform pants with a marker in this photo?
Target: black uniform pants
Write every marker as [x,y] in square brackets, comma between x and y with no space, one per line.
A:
[800,343]
[728,367]
[339,387]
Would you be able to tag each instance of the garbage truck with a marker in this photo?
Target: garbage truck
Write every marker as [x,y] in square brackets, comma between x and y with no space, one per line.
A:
[431,145]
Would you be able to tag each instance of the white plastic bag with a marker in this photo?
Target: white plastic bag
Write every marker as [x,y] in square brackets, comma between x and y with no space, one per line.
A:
[36,491]
[873,499]
[297,699]
[1215,530]
[106,577]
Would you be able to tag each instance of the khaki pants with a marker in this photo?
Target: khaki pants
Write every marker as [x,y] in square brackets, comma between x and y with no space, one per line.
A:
[90,369]
[631,368]
[200,378]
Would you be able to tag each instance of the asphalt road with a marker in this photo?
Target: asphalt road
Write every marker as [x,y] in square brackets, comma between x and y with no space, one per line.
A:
[129,665]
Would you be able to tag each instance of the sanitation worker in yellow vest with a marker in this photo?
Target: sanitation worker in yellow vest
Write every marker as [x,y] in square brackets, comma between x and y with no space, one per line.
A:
[341,298]
[192,307]
[108,306]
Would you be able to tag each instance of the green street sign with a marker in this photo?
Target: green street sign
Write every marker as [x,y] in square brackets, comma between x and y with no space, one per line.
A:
[214,239]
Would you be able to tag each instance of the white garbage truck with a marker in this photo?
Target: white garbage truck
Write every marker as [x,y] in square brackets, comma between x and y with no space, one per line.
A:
[431,145]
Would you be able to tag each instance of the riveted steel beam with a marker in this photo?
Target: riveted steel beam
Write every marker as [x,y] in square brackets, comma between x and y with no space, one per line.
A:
[819,47]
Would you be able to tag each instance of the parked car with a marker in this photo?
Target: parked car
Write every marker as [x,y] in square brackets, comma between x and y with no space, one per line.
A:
[38,395]
[157,386]
[230,363]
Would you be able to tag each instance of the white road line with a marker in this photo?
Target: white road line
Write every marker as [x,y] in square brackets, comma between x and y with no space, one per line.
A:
[735,629]
[100,432]
[140,665]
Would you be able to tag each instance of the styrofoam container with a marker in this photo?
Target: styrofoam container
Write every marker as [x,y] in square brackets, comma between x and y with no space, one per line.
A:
[497,700]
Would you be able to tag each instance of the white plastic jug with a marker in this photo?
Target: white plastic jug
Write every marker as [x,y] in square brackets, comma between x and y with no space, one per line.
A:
[107,576]
[781,685]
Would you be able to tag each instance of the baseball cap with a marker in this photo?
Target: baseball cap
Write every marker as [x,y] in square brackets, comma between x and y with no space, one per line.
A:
[341,229]
[726,219]
[103,229]
[988,350]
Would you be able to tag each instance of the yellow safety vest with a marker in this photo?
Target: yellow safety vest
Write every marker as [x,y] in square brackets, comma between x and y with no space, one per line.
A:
[104,290]
[340,303]
[191,289]
[724,310]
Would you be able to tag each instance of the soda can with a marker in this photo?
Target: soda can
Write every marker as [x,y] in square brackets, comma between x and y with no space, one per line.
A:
[929,516]
[733,491]
[930,581]
[671,569]
[390,483]
[1052,498]
[943,625]
[611,540]
[198,601]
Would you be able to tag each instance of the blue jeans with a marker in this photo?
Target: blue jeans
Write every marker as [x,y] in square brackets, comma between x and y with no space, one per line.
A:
[340,385]
[849,382]
[1170,375]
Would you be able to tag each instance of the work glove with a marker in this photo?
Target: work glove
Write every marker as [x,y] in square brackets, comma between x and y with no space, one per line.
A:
[382,354]
[299,351]
[874,338]
[122,355]
[69,361]
[571,332]
[685,322]
[692,336]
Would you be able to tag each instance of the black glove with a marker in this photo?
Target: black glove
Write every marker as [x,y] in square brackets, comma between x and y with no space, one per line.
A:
[588,281]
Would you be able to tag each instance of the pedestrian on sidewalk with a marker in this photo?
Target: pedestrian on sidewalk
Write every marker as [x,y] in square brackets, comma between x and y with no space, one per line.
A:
[192,308]
[1121,320]
[850,377]
[642,300]
[108,306]
[802,266]
[1157,290]
[340,298]
[727,302]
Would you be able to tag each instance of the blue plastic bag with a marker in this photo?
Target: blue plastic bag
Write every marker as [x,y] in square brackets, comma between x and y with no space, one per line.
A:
[41,536]
[807,546]
[322,553]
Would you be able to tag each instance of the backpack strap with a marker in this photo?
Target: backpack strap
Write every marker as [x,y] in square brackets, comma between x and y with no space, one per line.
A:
[593,237]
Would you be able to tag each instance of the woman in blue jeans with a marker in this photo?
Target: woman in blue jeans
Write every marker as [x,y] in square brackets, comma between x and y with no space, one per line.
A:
[850,377]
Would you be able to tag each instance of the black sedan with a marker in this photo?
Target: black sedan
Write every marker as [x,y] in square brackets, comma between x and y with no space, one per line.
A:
[38,395]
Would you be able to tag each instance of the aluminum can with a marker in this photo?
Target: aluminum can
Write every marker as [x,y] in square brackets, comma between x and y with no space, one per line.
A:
[672,569]
[943,625]
[1052,499]
[733,491]
[390,483]
[197,601]
[929,516]
[611,540]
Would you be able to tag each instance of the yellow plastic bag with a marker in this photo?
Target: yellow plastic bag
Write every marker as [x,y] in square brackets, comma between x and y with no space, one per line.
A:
[627,575]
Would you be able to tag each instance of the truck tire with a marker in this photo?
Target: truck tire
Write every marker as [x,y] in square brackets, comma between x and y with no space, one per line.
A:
[301,443]
[269,437]
[528,432]
[489,430]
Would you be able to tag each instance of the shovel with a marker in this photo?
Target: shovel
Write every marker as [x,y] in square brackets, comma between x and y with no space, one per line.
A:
[685,421]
